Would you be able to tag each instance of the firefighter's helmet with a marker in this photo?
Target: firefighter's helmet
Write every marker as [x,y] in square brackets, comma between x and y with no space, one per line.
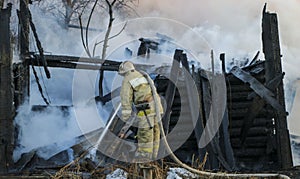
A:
[125,67]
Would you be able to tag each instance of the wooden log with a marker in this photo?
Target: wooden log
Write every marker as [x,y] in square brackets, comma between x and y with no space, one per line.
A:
[238,88]
[239,105]
[6,93]
[65,58]
[238,96]
[260,141]
[253,152]
[233,80]
[237,123]
[241,113]
[254,131]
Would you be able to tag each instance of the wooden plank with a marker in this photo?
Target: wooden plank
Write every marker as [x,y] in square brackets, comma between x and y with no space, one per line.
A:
[206,101]
[225,142]
[6,93]
[199,125]
[171,88]
[72,62]
[271,49]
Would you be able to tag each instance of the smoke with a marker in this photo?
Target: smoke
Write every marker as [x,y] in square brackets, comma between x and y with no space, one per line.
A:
[40,129]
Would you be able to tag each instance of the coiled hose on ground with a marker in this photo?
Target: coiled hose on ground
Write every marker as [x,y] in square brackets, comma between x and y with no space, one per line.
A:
[202,174]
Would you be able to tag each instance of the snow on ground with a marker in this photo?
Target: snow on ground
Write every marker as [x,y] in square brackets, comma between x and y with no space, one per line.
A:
[178,173]
[118,173]
[173,173]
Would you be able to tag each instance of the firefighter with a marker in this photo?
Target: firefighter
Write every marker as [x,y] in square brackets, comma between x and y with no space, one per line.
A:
[136,93]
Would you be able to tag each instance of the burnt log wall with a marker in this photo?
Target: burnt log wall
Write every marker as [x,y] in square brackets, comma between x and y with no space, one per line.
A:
[257,152]
[6,92]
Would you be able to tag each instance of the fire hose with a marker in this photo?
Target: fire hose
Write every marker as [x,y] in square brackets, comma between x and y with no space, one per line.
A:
[202,174]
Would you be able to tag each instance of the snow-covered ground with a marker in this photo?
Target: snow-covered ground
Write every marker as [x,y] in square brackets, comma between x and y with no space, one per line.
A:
[118,173]
[179,173]
[173,173]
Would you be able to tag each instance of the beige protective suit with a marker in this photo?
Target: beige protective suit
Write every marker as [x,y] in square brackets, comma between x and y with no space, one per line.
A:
[135,89]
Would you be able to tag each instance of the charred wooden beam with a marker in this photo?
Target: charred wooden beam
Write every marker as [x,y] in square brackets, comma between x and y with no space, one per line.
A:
[109,96]
[71,65]
[24,50]
[171,89]
[254,60]
[199,125]
[72,62]
[39,45]
[222,59]
[65,58]
[271,49]
[6,93]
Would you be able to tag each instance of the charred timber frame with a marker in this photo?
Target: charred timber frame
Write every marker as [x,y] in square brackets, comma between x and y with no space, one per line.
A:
[273,68]
[23,80]
[72,62]
[6,93]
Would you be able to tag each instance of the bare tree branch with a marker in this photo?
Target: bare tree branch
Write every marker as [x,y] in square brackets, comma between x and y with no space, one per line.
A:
[87,27]
[82,38]
[114,36]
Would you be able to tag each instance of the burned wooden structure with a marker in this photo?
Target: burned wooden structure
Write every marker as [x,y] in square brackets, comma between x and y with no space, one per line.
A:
[253,135]
[6,93]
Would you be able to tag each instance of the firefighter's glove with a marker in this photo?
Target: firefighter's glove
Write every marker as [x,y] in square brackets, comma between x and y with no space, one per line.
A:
[122,134]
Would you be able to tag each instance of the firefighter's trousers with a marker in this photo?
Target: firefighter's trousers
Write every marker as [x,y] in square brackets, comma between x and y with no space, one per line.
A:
[148,138]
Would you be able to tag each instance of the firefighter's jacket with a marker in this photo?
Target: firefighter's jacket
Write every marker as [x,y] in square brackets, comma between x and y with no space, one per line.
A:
[135,89]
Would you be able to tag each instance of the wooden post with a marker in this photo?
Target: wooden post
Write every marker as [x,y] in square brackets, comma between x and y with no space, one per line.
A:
[6,92]
[171,89]
[271,49]
[24,50]
[1,4]
[147,172]
[222,59]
